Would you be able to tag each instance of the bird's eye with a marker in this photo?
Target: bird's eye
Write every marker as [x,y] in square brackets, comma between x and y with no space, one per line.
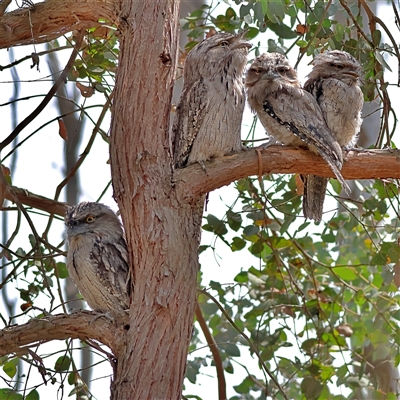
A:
[338,66]
[224,43]
[257,71]
[282,70]
[90,218]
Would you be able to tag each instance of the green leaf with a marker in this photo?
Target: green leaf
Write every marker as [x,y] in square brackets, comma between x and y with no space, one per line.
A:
[252,33]
[244,10]
[234,220]
[376,37]
[243,277]
[345,273]
[302,43]
[263,6]
[275,11]
[230,349]
[217,225]
[257,248]
[245,386]
[33,395]
[251,230]
[311,387]
[203,248]
[72,378]
[62,364]
[62,270]
[237,244]
[10,367]
[193,368]
[8,394]
[378,259]
[209,308]
[379,57]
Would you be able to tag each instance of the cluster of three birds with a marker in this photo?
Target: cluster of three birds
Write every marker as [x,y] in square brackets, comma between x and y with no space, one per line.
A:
[323,116]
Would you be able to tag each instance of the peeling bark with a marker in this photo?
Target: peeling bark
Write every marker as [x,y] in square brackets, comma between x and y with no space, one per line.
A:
[52,19]
[162,231]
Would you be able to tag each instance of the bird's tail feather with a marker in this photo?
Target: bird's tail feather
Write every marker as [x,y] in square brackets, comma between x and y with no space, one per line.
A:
[337,173]
[314,196]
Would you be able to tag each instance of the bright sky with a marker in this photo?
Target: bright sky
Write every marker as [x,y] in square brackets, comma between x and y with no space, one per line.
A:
[39,169]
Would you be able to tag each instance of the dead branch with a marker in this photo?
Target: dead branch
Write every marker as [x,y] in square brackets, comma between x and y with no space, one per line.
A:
[36,201]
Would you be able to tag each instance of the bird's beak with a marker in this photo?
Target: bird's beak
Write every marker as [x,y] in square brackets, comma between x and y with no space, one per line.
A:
[241,43]
[353,74]
[269,75]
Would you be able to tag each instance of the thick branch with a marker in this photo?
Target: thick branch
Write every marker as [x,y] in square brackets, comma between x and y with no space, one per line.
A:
[192,182]
[81,325]
[52,19]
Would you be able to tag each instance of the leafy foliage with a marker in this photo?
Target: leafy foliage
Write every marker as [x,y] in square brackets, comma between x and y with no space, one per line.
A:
[332,296]
[318,305]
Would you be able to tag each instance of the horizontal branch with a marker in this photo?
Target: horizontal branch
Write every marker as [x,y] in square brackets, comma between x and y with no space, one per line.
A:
[33,200]
[192,182]
[81,325]
[51,19]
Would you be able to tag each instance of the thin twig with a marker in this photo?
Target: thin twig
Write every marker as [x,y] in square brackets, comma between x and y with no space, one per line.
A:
[46,100]
[251,344]
[214,350]
[41,53]
[304,51]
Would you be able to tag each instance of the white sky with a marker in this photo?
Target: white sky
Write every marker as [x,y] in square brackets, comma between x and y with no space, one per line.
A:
[39,169]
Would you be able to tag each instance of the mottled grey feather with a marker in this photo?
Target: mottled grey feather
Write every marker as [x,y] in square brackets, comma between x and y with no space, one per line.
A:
[97,258]
[209,114]
[288,113]
[334,83]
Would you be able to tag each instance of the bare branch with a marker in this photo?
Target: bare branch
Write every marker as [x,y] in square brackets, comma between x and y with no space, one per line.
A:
[212,344]
[36,201]
[51,20]
[81,325]
[193,182]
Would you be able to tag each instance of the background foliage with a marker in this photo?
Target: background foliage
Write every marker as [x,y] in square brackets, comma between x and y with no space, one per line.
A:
[316,306]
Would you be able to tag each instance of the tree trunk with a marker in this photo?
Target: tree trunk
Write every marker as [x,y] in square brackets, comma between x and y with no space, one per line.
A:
[162,232]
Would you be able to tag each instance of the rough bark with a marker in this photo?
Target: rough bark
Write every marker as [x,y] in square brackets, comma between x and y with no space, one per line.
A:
[192,182]
[161,231]
[82,325]
[52,19]
[367,164]
[156,202]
